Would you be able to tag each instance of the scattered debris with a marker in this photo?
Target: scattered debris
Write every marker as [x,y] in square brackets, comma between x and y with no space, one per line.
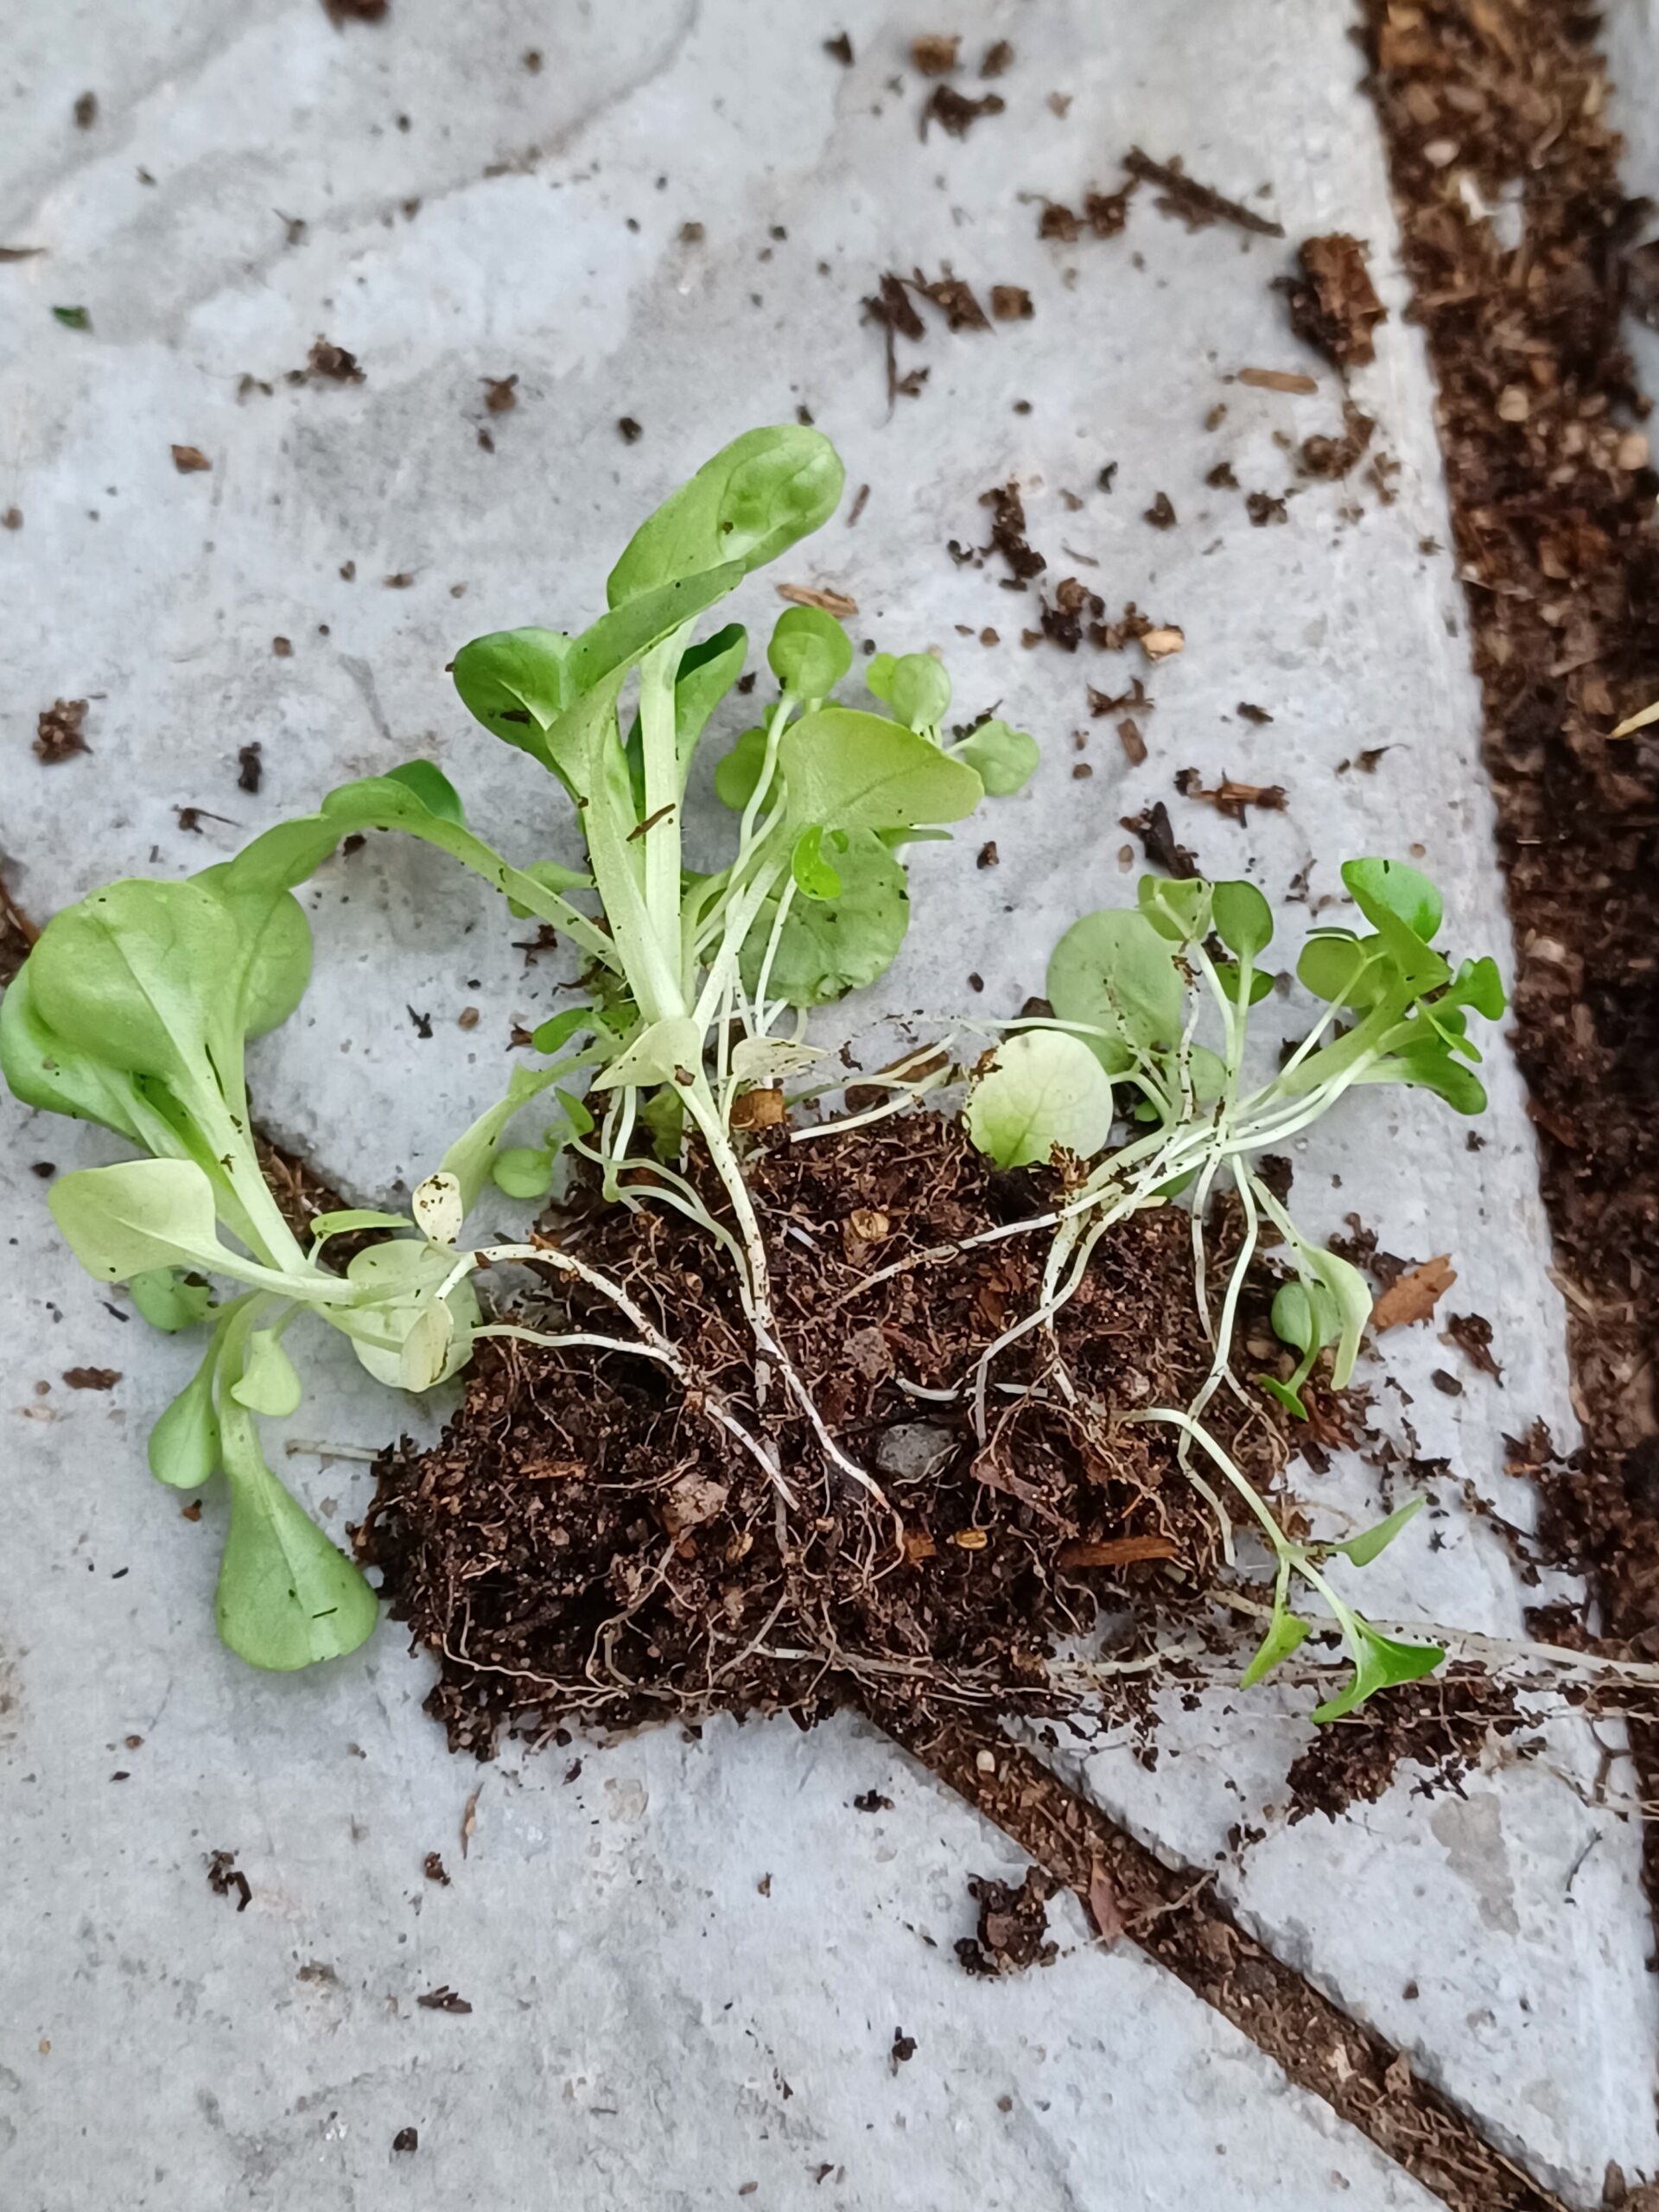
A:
[190,460]
[837,603]
[20,253]
[839,48]
[1414,1295]
[1161,514]
[1333,305]
[1263,508]
[328,364]
[1011,304]
[1335,457]
[1277,381]
[904,2048]
[442,2000]
[999,58]
[1162,639]
[629,429]
[1103,215]
[406,2140]
[1104,1907]
[1008,532]
[935,53]
[85,111]
[250,766]
[1135,746]
[1221,477]
[955,112]
[72,318]
[58,735]
[501,394]
[91,1378]
[1251,713]
[1012,1931]
[433,1867]
[342,12]
[1231,798]
[225,1879]
[1152,826]
[1198,206]
[1472,1335]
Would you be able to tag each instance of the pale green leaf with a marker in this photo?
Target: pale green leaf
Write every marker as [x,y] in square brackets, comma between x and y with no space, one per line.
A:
[1044,1089]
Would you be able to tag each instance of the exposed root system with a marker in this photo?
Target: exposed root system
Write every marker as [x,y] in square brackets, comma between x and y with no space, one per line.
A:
[587,1544]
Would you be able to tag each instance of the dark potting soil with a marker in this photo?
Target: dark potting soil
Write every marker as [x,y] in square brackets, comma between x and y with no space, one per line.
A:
[585,1545]
[1553,493]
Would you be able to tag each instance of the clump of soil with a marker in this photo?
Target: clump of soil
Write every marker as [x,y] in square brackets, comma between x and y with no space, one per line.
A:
[1012,1931]
[585,1543]
[1442,1723]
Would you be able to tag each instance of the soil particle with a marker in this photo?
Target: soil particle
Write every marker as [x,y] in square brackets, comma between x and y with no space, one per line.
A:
[225,1879]
[1335,457]
[406,2140]
[1197,204]
[342,12]
[1247,712]
[1161,514]
[1333,305]
[839,48]
[1103,215]
[935,53]
[190,460]
[1442,1724]
[442,2000]
[1152,826]
[433,1867]
[903,2049]
[1472,1335]
[1011,304]
[91,1378]
[85,111]
[327,363]
[955,112]
[1263,508]
[1012,1931]
[1277,381]
[1007,535]
[250,766]
[1221,477]
[57,731]
[998,59]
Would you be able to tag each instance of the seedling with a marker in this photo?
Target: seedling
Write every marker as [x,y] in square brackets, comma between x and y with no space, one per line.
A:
[1135,987]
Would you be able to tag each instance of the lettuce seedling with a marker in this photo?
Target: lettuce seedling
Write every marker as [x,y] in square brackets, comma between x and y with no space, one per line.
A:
[1134,989]
[133,1008]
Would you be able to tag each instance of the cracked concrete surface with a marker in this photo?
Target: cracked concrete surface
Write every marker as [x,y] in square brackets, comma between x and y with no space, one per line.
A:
[648,2025]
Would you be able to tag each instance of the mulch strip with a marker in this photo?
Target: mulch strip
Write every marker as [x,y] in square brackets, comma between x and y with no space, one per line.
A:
[1173,1914]
[1493,103]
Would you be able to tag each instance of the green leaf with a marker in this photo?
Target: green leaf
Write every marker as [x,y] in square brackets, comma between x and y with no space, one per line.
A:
[656,1055]
[438,1207]
[813,874]
[470,1157]
[1286,1632]
[42,1071]
[514,681]
[184,1447]
[287,1598]
[1363,1548]
[1177,911]
[1346,970]
[828,947]
[128,975]
[169,1299]
[1243,918]
[575,1113]
[1427,1065]
[140,1215]
[848,770]
[1306,1316]
[915,685]
[345,1219]
[1351,1296]
[706,673]
[1478,984]
[1112,970]
[663,1116]
[750,503]
[268,1382]
[1230,976]
[1378,1661]
[810,652]
[561,1028]
[1404,909]
[411,1270]
[1379,887]
[736,776]
[524,1171]
[432,787]
[1285,1396]
[1003,758]
[72,318]
[1044,1089]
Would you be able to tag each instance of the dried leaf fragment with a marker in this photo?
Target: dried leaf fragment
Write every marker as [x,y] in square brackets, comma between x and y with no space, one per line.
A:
[1415,1295]
[832,602]
[190,460]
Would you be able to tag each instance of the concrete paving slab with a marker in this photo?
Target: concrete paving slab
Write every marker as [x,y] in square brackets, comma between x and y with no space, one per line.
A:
[544,246]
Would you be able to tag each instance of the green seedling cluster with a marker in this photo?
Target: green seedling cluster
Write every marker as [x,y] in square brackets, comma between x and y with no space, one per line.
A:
[1131,990]
[135,1006]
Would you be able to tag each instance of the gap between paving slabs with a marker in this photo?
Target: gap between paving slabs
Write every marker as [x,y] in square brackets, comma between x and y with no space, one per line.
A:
[1523,251]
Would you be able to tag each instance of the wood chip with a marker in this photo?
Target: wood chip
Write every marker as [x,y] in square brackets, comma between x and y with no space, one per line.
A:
[469,1819]
[1415,1295]
[832,602]
[1159,643]
[934,54]
[190,460]
[1114,1551]
[1104,1907]
[1277,381]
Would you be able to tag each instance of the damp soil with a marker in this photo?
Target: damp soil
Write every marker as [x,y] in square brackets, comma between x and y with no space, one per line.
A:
[1487,103]
[586,1546]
